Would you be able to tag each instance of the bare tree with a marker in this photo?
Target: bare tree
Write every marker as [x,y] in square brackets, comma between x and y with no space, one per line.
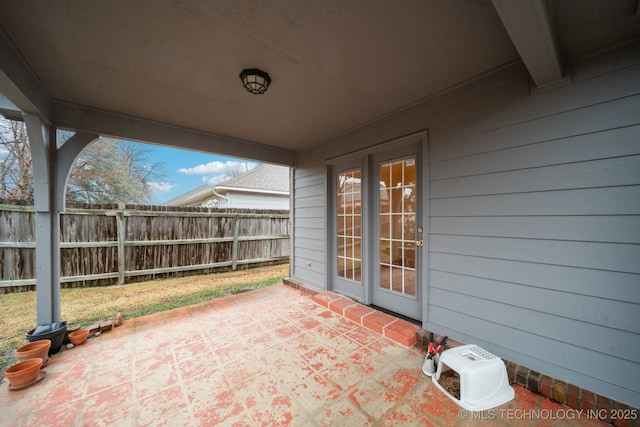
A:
[110,171]
[16,178]
[107,171]
[234,169]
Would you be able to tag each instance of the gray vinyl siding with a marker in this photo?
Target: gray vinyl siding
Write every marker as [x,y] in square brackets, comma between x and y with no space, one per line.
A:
[243,200]
[310,259]
[534,218]
[535,232]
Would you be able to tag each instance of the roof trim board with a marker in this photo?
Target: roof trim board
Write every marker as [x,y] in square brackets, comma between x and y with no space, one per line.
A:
[79,118]
[250,190]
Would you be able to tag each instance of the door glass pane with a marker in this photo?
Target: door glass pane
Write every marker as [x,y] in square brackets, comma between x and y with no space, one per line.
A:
[348,273]
[409,224]
[357,270]
[398,183]
[397,169]
[349,200]
[397,227]
[385,226]
[385,252]
[409,172]
[409,196]
[397,252]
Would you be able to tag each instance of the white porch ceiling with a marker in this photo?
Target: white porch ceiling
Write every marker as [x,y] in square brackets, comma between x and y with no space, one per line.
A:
[166,71]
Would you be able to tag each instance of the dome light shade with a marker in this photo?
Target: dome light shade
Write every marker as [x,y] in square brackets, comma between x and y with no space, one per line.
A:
[255,81]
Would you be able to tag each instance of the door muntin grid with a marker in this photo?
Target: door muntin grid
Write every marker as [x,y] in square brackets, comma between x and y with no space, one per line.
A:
[397,216]
[349,225]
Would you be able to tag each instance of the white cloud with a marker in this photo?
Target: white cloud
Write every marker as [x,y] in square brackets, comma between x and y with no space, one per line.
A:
[215,180]
[211,167]
[217,168]
[160,187]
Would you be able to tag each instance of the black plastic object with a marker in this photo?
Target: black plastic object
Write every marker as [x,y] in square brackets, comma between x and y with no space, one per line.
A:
[55,335]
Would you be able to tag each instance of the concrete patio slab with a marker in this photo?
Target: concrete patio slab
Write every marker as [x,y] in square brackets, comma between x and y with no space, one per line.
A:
[262,358]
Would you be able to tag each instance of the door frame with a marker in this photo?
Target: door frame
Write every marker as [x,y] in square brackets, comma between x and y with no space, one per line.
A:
[365,158]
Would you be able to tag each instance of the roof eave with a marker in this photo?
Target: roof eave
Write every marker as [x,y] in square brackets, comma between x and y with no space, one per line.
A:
[251,190]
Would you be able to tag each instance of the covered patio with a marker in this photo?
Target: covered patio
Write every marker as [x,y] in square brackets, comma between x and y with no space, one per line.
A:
[490,161]
[262,358]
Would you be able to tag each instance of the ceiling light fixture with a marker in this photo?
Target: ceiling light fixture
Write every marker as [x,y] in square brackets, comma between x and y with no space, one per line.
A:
[255,81]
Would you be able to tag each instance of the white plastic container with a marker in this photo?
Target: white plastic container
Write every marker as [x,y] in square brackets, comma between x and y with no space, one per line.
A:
[483,377]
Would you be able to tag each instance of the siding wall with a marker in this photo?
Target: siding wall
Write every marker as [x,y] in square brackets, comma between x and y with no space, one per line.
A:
[309,223]
[242,200]
[534,218]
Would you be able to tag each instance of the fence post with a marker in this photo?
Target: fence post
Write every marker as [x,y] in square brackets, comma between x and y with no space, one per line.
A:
[234,247]
[121,226]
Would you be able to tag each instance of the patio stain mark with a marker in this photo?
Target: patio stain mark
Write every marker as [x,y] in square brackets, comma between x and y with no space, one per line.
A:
[320,358]
[400,382]
[373,398]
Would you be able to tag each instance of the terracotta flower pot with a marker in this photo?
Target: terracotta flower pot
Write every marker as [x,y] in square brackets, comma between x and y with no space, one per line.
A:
[33,350]
[78,337]
[23,373]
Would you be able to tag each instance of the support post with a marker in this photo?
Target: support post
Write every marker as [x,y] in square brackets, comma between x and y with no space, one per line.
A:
[51,166]
[234,247]
[121,228]
[47,220]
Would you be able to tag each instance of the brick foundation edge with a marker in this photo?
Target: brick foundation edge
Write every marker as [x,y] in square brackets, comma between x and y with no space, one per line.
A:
[551,388]
[300,286]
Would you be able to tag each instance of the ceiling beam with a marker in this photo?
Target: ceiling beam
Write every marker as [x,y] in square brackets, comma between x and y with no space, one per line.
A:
[18,84]
[529,26]
[84,119]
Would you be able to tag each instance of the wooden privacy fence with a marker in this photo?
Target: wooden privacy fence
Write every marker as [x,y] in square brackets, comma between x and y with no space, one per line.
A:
[108,244]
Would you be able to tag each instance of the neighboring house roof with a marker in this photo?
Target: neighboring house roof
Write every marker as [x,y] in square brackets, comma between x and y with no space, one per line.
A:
[190,197]
[263,179]
[266,179]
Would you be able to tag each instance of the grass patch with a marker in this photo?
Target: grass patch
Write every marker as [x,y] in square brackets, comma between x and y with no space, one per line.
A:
[85,306]
[198,297]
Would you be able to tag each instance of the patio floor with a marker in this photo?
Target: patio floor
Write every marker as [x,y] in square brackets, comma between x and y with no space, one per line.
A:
[262,358]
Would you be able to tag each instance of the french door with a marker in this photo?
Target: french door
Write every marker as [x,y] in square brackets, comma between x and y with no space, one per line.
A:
[397,234]
[348,236]
[378,229]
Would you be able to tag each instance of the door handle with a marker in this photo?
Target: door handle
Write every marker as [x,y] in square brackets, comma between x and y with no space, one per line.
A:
[419,243]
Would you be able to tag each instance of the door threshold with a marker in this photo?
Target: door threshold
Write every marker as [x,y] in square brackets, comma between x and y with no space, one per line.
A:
[394,314]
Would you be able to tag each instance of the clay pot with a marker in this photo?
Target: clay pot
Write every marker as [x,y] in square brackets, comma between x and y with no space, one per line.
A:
[33,350]
[23,373]
[78,337]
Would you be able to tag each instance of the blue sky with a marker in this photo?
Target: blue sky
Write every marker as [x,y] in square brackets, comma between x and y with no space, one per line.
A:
[186,170]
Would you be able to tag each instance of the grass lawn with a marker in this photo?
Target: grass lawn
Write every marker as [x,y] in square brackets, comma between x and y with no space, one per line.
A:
[85,306]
